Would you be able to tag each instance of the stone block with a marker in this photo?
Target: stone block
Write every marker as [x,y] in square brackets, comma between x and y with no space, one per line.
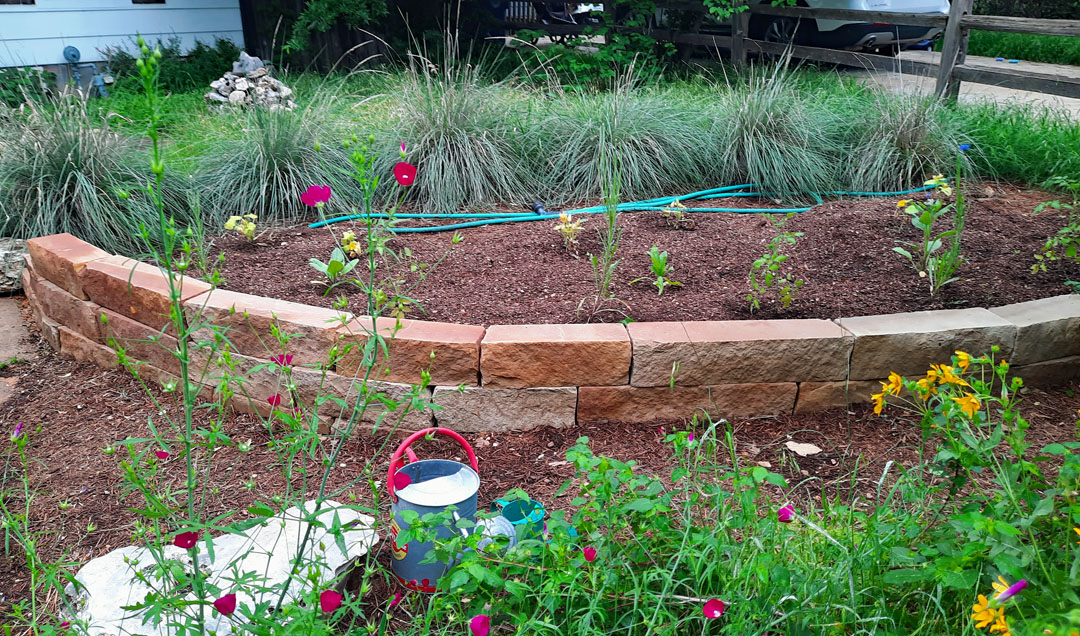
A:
[61,307]
[450,353]
[1046,329]
[85,350]
[738,352]
[135,290]
[521,356]
[49,327]
[247,321]
[1049,373]
[909,343]
[60,259]
[485,409]
[140,342]
[646,404]
[335,396]
[822,396]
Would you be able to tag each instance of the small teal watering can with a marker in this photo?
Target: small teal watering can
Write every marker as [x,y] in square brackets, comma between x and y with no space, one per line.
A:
[423,486]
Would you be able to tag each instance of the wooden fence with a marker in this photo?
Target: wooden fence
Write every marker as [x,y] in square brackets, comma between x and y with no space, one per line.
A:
[950,72]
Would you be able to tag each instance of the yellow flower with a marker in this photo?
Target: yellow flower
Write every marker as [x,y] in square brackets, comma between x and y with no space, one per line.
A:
[879,402]
[1000,585]
[902,203]
[348,238]
[1077,530]
[969,404]
[963,360]
[945,375]
[983,614]
[1000,626]
[564,217]
[894,384]
[926,388]
[353,247]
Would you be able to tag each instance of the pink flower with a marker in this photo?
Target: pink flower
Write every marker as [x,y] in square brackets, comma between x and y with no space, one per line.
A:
[405,173]
[329,601]
[274,400]
[186,540]
[714,608]
[65,625]
[590,554]
[401,480]
[480,625]
[226,604]
[786,514]
[690,437]
[18,430]
[315,195]
[284,360]
[1012,591]
[403,149]
[397,595]
[162,455]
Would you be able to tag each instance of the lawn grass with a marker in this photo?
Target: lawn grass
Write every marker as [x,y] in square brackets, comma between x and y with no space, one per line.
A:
[1053,49]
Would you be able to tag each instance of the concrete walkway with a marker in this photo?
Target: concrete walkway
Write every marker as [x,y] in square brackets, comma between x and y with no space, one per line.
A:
[970,91]
[14,342]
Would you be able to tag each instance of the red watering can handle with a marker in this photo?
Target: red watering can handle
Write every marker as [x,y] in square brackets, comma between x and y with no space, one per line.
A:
[396,461]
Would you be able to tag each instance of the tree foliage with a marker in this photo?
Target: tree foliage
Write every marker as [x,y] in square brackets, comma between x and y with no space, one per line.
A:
[321,16]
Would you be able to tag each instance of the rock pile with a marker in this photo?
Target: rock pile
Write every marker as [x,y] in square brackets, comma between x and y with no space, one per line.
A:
[12,255]
[250,84]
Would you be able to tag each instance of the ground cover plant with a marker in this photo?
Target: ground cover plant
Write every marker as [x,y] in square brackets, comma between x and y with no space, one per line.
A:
[1025,46]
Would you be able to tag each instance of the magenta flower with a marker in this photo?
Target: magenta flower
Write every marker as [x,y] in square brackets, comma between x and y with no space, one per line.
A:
[403,149]
[397,595]
[405,173]
[690,437]
[329,601]
[714,608]
[590,554]
[17,432]
[186,540]
[1011,591]
[480,625]
[284,360]
[65,625]
[786,514]
[401,480]
[274,400]
[162,455]
[226,605]
[315,195]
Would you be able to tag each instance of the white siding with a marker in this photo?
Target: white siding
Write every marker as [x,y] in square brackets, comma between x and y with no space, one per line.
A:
[37,34]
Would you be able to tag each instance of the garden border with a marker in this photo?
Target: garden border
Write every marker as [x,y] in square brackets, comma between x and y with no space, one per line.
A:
[518,377]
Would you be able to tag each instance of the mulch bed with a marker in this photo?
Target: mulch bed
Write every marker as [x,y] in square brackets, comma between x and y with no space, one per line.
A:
[521,274]
[72,411]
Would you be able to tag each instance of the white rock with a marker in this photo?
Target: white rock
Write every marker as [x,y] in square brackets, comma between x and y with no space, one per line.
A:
[802,450]
[237,97]
[242,84]
[246,64]
[266,551]
[12,261]
[214,96]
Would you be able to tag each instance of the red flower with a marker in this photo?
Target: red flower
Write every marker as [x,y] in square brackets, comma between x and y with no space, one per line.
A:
[329,601]
[590,554]
[274,400]
[786,514]
[397,599]
[226,604]
[315,195]
[65,625]
[714,608]
[284,360]
[401,480]
[405,173]
[480,625]
[162,455]
[186,540]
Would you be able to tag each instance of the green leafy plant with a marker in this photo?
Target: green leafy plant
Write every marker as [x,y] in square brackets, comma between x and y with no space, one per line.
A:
[1065,244]
[676,217]
[19,85]
[659,267]
[335,269]
[243,225]
[768,278]
[604,263]
[937,265]
[569,228]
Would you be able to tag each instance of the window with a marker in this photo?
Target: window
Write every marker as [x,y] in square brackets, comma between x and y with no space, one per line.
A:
[16,1]
[147,1]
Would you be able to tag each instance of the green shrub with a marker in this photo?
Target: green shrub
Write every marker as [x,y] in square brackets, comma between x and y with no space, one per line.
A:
[18,85]
[1021,143]
[202,64]
[62,171]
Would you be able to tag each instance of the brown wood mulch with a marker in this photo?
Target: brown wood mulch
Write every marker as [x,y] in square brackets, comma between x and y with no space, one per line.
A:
[520,273]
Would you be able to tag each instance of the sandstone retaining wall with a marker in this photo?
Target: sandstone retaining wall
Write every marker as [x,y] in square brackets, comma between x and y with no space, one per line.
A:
[516,377]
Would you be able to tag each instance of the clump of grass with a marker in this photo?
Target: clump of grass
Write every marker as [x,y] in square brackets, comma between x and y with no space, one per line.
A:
[1052,49]
[765,132]
[270,158]
[464,133]
[897,141]
[656,144]
[62,170]
[1022,143]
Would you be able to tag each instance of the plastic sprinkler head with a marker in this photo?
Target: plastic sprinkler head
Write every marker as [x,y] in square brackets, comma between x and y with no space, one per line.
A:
[538,208]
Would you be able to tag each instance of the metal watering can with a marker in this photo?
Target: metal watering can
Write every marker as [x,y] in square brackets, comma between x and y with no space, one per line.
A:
[429,485]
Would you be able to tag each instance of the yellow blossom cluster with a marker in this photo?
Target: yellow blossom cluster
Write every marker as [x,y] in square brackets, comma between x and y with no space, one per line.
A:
[348,240]
[937,376]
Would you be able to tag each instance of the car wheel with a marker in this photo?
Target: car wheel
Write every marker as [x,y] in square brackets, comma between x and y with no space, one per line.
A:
[780,30]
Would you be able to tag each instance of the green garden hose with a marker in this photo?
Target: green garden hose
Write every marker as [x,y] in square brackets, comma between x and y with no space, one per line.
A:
[493,218]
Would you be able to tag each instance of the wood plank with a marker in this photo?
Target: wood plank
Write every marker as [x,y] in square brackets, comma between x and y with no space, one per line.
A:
[739,27]
[887,17]
[953,50]
[704,39]
[885,63]
[1021,80]
[1021,25]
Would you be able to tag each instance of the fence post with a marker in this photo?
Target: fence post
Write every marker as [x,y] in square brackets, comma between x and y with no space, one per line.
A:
[953,50]
[739,25]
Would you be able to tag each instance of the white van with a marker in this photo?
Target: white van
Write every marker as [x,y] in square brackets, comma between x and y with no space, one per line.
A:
[854,36]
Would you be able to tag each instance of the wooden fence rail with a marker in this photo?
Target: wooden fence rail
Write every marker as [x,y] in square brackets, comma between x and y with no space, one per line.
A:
[950,71]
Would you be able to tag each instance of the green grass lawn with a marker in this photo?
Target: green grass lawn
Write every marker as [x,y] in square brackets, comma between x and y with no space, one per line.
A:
[1022,46]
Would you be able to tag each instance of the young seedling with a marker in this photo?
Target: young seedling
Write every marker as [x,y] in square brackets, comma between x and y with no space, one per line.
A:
[335,270]
[659,267]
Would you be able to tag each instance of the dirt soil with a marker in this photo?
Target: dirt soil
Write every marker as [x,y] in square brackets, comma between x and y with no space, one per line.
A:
[71,411]
[521,274]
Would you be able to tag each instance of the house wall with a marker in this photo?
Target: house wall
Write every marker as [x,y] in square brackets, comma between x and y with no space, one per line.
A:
[36,34]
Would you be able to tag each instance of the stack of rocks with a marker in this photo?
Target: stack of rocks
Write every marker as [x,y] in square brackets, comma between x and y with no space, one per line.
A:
[250,84]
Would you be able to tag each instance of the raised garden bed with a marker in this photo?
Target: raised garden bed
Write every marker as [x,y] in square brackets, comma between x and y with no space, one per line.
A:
[521,274]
